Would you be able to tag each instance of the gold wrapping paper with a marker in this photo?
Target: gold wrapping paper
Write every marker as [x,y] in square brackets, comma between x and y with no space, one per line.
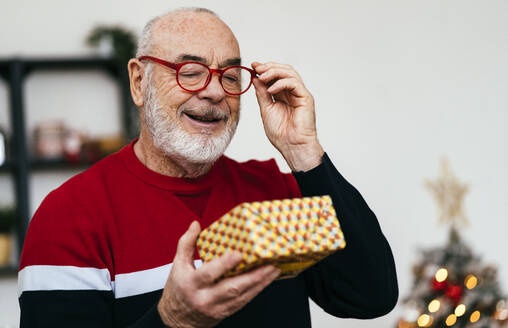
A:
[291,234]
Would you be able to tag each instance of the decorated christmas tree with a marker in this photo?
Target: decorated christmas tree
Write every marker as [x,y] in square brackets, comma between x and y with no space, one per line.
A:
[452,287]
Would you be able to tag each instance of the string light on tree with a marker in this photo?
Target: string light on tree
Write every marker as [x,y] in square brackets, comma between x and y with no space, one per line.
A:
[475,316]
[470,281]
[439,282]
[424,320]
[441,275]
[434,306]
[460,310]
[451,320]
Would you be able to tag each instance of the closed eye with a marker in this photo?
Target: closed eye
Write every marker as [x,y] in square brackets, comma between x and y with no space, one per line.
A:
[190,74]
[231,78]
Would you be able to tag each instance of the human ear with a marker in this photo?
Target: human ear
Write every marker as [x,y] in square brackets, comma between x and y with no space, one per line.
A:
[136,74]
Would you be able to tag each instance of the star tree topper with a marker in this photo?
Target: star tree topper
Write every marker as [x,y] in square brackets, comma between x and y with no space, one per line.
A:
[449,194]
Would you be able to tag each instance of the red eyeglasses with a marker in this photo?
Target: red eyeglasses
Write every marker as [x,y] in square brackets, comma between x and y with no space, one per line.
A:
[195,76]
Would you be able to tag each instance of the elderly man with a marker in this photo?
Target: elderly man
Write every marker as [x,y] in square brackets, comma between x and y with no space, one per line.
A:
[115,245]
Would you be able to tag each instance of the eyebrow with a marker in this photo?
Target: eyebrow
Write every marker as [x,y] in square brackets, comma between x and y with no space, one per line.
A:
[189,57]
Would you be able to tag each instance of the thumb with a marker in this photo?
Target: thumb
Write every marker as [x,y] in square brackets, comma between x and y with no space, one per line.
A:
[186,245]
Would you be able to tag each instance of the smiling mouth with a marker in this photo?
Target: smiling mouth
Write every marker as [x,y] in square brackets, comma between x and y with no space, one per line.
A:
[204,119]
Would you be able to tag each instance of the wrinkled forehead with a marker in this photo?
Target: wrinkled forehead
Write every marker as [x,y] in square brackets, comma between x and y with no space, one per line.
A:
[196,34]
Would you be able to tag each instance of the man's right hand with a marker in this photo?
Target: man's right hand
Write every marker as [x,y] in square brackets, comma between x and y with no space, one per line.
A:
[198,297]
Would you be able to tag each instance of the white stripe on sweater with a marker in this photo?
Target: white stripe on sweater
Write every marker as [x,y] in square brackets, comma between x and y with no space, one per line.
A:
[145,281]
[62,277]
[66,277]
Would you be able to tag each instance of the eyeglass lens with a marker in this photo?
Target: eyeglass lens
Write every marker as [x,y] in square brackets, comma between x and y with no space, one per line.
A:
[194,76]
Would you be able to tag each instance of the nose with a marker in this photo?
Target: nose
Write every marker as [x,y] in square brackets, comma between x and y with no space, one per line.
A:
[213,91]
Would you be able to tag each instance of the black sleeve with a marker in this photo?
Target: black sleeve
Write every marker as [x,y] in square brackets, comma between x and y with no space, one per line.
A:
[151,319]
[359,281]
[66,308]
[76,309]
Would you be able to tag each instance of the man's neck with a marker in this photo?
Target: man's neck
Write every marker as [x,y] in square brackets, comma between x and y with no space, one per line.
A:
[156,161]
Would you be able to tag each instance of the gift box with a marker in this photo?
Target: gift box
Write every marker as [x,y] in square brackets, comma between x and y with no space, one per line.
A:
[291,234]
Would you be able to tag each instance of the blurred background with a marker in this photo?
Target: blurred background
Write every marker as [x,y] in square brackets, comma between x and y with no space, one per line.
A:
[398,86]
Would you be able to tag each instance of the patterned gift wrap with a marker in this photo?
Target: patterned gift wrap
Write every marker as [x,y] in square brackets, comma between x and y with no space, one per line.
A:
[291,234]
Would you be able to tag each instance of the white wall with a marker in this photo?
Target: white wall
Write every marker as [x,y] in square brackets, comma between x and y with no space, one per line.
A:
[397,83]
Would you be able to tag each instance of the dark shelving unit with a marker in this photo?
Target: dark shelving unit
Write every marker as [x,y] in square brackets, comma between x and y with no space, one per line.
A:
[19,164]
[6,167]
[58,165]
[8,271]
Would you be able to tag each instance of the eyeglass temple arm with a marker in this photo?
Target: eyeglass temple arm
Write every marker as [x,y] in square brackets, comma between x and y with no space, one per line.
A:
[160,61]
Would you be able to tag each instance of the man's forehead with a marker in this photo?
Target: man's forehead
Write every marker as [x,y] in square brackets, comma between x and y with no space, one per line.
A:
[198,37]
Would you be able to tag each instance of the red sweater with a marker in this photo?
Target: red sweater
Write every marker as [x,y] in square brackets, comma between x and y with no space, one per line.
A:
[98,250]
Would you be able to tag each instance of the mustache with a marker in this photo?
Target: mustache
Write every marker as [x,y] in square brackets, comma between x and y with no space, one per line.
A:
[209,112]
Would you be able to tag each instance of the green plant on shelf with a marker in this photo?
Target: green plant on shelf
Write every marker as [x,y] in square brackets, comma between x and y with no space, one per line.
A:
[122,42]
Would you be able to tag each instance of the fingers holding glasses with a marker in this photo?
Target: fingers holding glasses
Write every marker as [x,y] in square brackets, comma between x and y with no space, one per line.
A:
[271,70]
[288,114]
[280,77]
[262,67]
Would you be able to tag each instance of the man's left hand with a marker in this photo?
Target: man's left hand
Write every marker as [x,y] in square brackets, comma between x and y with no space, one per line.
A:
[287,111]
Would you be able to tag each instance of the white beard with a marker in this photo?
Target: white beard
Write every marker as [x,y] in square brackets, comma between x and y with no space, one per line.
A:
[173,141]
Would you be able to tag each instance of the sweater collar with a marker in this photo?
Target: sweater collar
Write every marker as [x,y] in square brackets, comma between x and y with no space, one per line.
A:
[136,167]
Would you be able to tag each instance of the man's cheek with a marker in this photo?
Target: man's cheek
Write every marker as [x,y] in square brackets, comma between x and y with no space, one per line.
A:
[234,106]
[176,101]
